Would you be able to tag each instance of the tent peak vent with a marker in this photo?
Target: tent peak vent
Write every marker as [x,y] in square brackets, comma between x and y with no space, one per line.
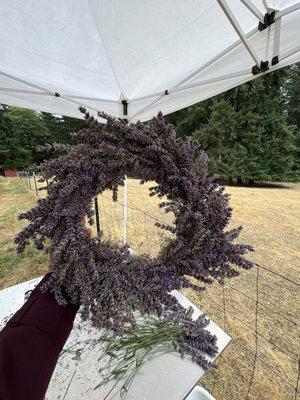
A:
[264,66]
[269,19]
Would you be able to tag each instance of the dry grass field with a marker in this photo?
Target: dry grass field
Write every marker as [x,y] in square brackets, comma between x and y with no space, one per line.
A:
[257,300]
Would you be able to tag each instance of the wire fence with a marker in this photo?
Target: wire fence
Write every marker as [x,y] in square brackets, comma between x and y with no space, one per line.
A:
[262,361]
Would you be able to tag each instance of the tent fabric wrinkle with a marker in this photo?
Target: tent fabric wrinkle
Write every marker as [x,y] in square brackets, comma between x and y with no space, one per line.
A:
[155,55]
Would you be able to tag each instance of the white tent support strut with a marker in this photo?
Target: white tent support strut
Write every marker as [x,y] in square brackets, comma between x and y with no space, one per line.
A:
[198,70]
[216,58]
[194,85]
[268,43]
[266,5]
[276,44]
[26,83]
[46,91]
[243,39]
[34,92]
[252,7]
[288,10]
[233,21]
[213,80]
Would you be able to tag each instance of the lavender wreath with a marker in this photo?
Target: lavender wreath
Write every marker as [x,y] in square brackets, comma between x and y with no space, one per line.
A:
[109,282]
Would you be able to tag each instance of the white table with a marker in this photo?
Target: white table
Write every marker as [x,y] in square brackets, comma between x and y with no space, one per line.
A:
[164,377]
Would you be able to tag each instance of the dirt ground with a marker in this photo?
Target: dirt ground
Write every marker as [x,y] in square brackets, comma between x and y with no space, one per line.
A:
[265,300]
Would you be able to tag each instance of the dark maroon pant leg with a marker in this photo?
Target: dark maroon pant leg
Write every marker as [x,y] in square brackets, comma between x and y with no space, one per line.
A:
[30,345]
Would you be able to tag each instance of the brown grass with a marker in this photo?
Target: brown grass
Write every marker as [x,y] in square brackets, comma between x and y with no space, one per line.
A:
[16,268]
[269,216]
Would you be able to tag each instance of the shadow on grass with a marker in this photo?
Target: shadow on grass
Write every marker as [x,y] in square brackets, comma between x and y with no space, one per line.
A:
[262,185]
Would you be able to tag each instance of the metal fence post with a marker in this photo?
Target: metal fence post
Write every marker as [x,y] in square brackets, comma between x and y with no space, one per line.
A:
[97,216]
[35,184]
[124,210]
[25,176]
[29,181]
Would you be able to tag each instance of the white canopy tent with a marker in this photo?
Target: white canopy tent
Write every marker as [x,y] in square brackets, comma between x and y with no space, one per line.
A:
[132,58]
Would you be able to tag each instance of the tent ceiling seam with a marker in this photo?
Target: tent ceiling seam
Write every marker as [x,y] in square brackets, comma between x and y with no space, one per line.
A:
[104,46]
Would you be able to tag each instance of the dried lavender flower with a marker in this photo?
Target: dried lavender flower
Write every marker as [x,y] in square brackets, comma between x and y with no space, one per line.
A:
[109,282]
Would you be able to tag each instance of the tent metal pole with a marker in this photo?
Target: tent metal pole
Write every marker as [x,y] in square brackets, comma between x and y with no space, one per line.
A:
[198,70]
[214,59]
[252,7]
[288,10]
[213,80]
[35,92]
[241,73]
[147,107]
[98,231]
[54,94]
[266,5]
[282,58]
[197,84]
[26,83]
[276,44]
[35,185]
[10,90]
[227,11]
[211,61]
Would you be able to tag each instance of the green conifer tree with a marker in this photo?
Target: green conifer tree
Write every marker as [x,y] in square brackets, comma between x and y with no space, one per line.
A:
[245,131]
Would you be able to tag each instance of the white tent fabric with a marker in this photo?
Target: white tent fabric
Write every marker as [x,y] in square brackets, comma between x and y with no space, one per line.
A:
[132,58]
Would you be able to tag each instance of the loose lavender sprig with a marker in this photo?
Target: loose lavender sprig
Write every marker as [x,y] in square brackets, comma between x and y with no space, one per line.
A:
[124,356]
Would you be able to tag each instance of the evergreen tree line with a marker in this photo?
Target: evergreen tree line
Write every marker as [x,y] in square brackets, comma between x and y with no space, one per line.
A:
[22,130]
[250,133]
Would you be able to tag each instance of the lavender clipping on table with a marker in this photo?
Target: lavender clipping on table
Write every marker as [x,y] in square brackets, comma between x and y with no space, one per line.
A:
[108,281]
[123,356]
